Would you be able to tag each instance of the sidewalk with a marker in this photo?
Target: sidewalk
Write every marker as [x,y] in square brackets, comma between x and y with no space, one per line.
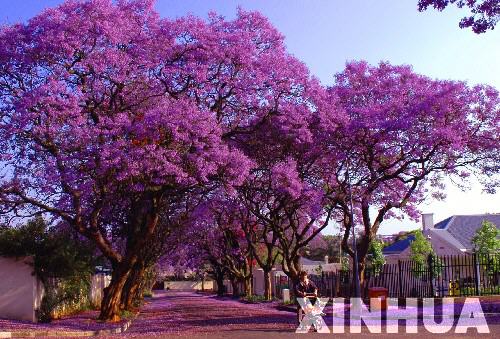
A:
[84,324]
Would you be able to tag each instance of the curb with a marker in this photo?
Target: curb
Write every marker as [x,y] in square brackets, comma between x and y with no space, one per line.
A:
[420,316]
[284,308]
[47,333]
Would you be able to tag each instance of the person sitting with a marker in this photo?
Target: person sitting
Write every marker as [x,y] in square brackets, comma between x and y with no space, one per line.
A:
[305,289]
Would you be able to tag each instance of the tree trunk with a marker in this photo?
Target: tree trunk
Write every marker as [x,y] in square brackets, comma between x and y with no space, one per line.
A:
[363,247]
[291,267]
[110,305]
[294,269]
[248,286]
[219,278]
[361,269]
[133,288]
[234,285]
[267,285]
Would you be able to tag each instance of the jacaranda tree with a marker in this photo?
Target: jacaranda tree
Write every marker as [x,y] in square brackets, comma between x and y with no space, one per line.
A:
[106,107]
[484,14]
[401,135]
[119,124]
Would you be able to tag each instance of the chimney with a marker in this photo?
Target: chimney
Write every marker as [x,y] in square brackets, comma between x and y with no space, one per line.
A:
[427,221]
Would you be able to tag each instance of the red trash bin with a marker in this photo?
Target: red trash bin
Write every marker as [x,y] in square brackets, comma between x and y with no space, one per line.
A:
[378,292]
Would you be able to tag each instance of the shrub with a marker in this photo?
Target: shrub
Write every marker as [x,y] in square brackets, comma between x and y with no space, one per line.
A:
[63,263]
[255,298]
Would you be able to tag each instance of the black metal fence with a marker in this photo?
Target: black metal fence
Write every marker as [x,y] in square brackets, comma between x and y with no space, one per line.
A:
[454,276]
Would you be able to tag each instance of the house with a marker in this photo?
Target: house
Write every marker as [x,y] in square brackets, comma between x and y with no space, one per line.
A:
[457,230]
[397,248]
[451,236]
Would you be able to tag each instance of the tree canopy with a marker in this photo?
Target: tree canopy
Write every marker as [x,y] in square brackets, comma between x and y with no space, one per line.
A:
[487,238]
[484,14]
[206,141]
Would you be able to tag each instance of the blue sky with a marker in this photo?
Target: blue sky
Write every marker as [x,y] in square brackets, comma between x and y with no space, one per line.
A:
[326,33]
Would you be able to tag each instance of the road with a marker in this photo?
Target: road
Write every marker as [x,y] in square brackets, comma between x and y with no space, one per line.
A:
[186,314]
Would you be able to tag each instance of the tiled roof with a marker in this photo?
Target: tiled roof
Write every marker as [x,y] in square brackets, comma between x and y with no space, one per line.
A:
[399,246]
[457,231]
[443,242]
[443,223]
[464,227]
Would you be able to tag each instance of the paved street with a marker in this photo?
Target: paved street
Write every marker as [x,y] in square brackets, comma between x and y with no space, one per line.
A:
[189,313]
[186,314]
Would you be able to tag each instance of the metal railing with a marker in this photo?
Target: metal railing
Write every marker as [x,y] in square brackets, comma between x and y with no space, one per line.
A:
[470,274]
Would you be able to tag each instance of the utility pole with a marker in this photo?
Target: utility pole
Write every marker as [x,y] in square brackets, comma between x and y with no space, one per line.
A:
[357,288]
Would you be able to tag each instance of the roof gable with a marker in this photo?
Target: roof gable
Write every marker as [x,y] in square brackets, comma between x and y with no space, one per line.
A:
[464,227]
[443,223]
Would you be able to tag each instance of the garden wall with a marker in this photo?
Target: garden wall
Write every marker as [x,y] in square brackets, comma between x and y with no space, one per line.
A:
[188,285]
[98,283]
[20,291]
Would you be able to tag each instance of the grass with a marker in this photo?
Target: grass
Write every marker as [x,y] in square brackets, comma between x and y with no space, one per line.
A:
[471,291]
[124,314]
[288,302]
[257,299]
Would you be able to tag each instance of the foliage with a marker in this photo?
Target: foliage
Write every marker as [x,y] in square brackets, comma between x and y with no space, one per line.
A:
[405,235]
[485,14]
[116,120]
[56,253]
[329,245]
[255,298]
[345,263]
[292,301]
[485,290]
[62,262]
[141,133]
[422,254]
[64,297]
[420,248]
[487,238]
[126,314]
[487,245]
[377,258]
[402,133]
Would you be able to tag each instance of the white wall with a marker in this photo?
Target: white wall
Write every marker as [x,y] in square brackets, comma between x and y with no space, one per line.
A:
[20,291]
[188,285]
[98,283]
[258,281]
[313,269]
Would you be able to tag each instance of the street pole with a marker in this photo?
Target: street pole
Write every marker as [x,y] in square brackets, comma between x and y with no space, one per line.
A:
[357,288]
